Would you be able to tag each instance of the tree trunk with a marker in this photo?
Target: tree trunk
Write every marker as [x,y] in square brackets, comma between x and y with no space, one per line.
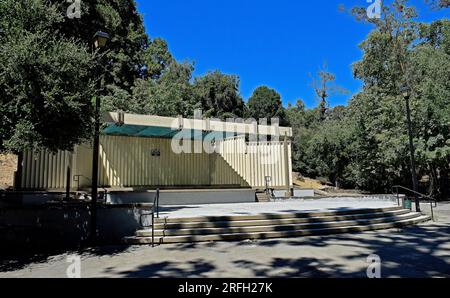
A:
[444,184]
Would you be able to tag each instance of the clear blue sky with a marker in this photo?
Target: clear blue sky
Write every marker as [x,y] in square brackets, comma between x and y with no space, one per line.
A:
[266,42]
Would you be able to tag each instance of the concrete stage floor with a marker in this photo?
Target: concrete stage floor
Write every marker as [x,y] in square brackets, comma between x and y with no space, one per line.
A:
[278,207]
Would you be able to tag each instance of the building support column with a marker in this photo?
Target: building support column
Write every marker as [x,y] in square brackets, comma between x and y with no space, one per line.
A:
[287,166]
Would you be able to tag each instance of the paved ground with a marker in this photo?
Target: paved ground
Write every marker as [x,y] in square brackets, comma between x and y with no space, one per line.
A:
[279,207]
[421,251]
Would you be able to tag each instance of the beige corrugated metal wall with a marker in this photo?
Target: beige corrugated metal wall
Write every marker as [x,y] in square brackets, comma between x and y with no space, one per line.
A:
[255,160]
[129,162]
[45,170]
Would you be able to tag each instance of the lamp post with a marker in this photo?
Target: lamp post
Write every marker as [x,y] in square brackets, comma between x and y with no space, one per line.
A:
[407,95]
[100,40]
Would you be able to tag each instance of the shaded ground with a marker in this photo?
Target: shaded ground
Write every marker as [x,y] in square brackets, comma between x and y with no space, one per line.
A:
[421,251]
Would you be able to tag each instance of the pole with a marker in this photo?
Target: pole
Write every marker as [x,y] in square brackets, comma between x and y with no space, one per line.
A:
[287,166]
[412,153]
[68,182]
[95,171]
[100,40]
[19,172]
[95,160]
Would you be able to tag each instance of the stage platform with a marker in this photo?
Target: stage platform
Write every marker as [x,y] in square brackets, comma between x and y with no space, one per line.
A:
[281,219]
[280,207]
[184,197]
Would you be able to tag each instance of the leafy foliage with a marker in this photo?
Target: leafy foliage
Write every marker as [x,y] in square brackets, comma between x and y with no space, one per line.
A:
[265,103]
[365,145]
[219,96]
[170,95]
[45,81]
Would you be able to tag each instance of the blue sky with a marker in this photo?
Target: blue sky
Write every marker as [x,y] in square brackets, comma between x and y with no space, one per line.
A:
[266,42]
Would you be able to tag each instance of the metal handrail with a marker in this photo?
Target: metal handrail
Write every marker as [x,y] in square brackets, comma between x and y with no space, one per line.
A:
[270,192]
[155,206]
[77,179]
[157,202]
[395,190]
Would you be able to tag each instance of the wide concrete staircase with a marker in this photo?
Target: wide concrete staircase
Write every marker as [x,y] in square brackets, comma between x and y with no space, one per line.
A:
[266,226]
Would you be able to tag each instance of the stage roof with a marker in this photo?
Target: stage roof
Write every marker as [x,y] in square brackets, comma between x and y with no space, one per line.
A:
[165,127]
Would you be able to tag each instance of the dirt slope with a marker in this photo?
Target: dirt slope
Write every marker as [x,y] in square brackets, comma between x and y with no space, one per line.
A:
[8,165]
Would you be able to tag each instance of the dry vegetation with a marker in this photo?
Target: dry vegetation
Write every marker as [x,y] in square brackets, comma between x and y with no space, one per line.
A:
[307,183]
[321,188]
[8,165]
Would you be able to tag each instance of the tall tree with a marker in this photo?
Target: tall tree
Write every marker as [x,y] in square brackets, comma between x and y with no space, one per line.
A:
[218,95]
[324,87]
[45,80]
[128,40]
[158,58]
[46,75]
[265,103]
[170,95]
[131,55]
[400,51]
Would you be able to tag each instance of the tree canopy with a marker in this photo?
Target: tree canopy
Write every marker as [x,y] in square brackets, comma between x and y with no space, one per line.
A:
[218,95]
[45,80]
[265,103]
[365,145]
[49,73]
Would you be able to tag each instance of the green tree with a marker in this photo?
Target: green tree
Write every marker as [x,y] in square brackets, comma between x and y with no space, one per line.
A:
[296,115]
[131,55]
[170,95]
[400,51]
[45,80]
[158,58]
[47,74]
[265,103]
[324,86]
[300,119]
[126,52]
[218,95]
[328,151]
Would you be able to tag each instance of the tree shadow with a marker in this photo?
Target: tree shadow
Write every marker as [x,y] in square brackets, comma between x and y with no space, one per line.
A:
[292,268]
[18,261]
[195,268]
[413,252]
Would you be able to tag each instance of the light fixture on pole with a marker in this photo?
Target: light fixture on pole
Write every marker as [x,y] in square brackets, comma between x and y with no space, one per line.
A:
[406,93]
[99,41]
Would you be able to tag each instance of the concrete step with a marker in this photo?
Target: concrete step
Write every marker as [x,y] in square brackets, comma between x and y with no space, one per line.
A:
[203,219]
[269,220]
[276,227]
[276,234]
[283,226]
[262,198]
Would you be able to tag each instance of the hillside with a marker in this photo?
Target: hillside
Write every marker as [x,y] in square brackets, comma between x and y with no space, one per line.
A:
[8,165]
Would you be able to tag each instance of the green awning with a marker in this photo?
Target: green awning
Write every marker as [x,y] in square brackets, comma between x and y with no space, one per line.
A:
[164,132]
